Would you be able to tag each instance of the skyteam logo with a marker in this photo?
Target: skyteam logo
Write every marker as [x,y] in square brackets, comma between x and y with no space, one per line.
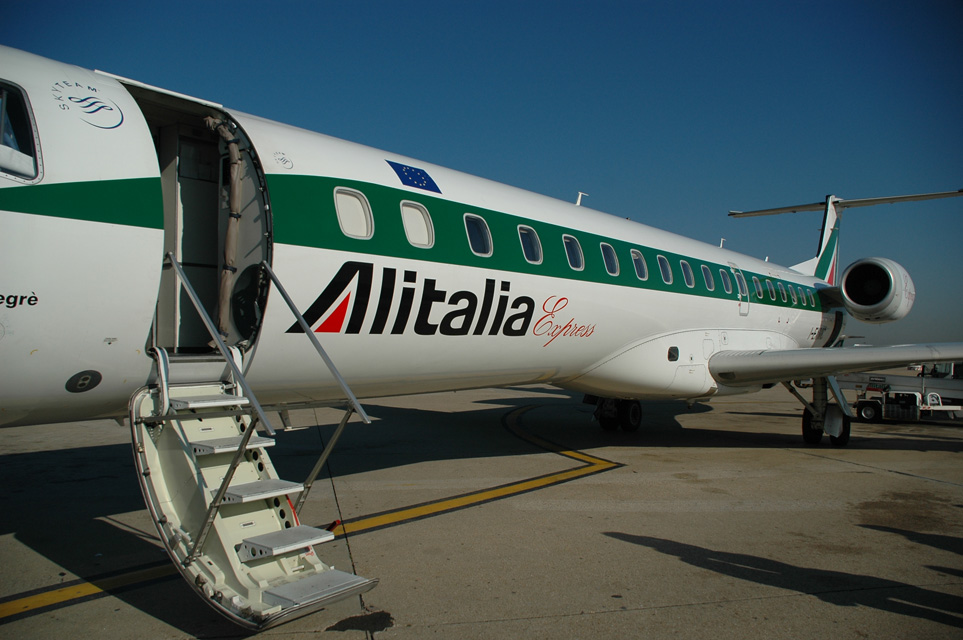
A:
[406,302]
[85,101]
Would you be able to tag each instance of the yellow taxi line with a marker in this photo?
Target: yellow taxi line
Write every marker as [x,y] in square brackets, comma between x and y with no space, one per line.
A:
[591,466]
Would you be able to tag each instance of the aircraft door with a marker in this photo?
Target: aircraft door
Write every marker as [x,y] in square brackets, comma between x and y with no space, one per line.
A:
[742,289]
[216,223]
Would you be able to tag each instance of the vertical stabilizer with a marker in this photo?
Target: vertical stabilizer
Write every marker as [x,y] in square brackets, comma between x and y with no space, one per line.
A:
[825,265]
[827,257]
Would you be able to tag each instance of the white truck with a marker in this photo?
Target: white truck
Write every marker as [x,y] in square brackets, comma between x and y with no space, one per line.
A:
[935,392]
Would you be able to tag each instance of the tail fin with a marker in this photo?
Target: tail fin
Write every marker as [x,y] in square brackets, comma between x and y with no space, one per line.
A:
[825,265]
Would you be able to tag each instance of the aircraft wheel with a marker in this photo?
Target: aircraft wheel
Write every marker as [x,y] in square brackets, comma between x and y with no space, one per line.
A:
[810,435]
[843,438]
[607,413]
[630,415]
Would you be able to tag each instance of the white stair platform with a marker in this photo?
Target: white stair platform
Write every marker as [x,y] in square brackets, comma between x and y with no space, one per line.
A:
[208,402]
[260,490]
[280,542]
[330,586]
[227,445]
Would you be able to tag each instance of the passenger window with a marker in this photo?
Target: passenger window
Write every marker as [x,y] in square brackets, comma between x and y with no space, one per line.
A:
[792,293]
[17,149]
[418,225]
[641,270]
[574,252]
[665,269]
[611,260]
[707,277]
[782,292]
[354,213]
[812,301]
[531,247]
[772,289]
[687,274]
[758,286]
[726,281]
[802,296]
[479,237]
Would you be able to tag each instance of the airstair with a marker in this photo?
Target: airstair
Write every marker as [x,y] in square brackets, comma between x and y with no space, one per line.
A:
[229,523]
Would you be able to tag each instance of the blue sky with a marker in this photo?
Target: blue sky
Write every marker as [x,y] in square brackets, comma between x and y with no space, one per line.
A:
[669,113]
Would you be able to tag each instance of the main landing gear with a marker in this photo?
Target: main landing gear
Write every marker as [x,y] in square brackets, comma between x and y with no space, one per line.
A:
[613,413]
[821,417]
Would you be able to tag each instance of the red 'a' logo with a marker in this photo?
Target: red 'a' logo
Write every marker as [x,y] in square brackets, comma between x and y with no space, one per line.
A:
[338,293]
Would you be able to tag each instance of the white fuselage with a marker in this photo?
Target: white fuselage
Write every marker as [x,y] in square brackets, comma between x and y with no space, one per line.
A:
[85,295]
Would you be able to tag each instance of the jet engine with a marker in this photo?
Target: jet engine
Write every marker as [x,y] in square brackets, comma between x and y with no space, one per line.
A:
[877,290]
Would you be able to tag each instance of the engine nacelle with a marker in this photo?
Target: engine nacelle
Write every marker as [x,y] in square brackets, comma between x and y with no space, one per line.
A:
[877,290]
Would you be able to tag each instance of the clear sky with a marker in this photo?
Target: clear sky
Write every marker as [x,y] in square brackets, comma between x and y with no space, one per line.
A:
[669,113]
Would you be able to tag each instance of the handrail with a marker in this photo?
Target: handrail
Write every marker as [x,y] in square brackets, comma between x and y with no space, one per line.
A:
[309,482]
[238,376]
[317,345]
[248,392]
[163,368]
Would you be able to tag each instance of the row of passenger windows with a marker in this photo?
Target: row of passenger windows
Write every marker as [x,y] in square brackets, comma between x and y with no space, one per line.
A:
[356,220]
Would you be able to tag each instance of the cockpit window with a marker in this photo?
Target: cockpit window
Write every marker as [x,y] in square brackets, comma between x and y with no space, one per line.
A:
[18,153]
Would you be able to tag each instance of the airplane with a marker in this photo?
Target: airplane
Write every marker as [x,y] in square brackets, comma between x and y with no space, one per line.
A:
[177,265]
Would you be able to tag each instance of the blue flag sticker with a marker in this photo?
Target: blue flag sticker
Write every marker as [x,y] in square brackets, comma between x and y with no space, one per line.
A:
[414,177]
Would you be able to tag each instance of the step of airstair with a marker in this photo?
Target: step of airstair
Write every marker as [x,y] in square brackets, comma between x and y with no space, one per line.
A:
[208,402]
[228,445]
[280,542]
[318,589]
[260,490]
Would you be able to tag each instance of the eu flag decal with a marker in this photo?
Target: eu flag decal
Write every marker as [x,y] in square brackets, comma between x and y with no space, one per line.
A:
[414,177]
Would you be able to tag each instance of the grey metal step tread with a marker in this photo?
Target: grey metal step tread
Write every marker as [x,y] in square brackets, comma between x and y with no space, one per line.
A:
[327,586]
[226,445]
[260,490]
[208,402]
[280,542]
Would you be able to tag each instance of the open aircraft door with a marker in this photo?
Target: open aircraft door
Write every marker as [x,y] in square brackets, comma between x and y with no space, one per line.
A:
[217,222]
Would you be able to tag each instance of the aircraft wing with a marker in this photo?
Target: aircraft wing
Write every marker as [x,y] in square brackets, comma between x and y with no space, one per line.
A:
[744,368]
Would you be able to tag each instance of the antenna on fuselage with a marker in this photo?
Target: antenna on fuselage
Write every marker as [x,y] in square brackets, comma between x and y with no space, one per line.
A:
[578,201]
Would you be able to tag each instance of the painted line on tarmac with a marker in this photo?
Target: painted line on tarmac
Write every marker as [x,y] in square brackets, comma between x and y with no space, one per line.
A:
[22,605]
[77,591]
[591,466]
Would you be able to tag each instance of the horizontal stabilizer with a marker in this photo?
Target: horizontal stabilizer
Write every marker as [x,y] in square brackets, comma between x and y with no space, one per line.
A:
[747,368]
[846,204]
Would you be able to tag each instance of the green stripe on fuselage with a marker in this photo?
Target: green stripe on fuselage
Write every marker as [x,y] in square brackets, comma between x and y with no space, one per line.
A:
[305,215]
[136,202]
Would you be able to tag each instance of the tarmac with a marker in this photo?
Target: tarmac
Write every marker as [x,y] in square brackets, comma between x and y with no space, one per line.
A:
[508,513]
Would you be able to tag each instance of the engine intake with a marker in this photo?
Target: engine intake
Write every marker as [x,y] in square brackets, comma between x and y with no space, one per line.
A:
[877,290]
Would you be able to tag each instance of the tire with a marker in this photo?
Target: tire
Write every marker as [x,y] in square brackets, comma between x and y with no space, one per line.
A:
[869,411]
[810,435]
[630,415]
[607,413]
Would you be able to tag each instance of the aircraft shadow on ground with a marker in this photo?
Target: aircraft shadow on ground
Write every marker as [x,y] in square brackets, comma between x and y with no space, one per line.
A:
[62,503]
[834,587]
